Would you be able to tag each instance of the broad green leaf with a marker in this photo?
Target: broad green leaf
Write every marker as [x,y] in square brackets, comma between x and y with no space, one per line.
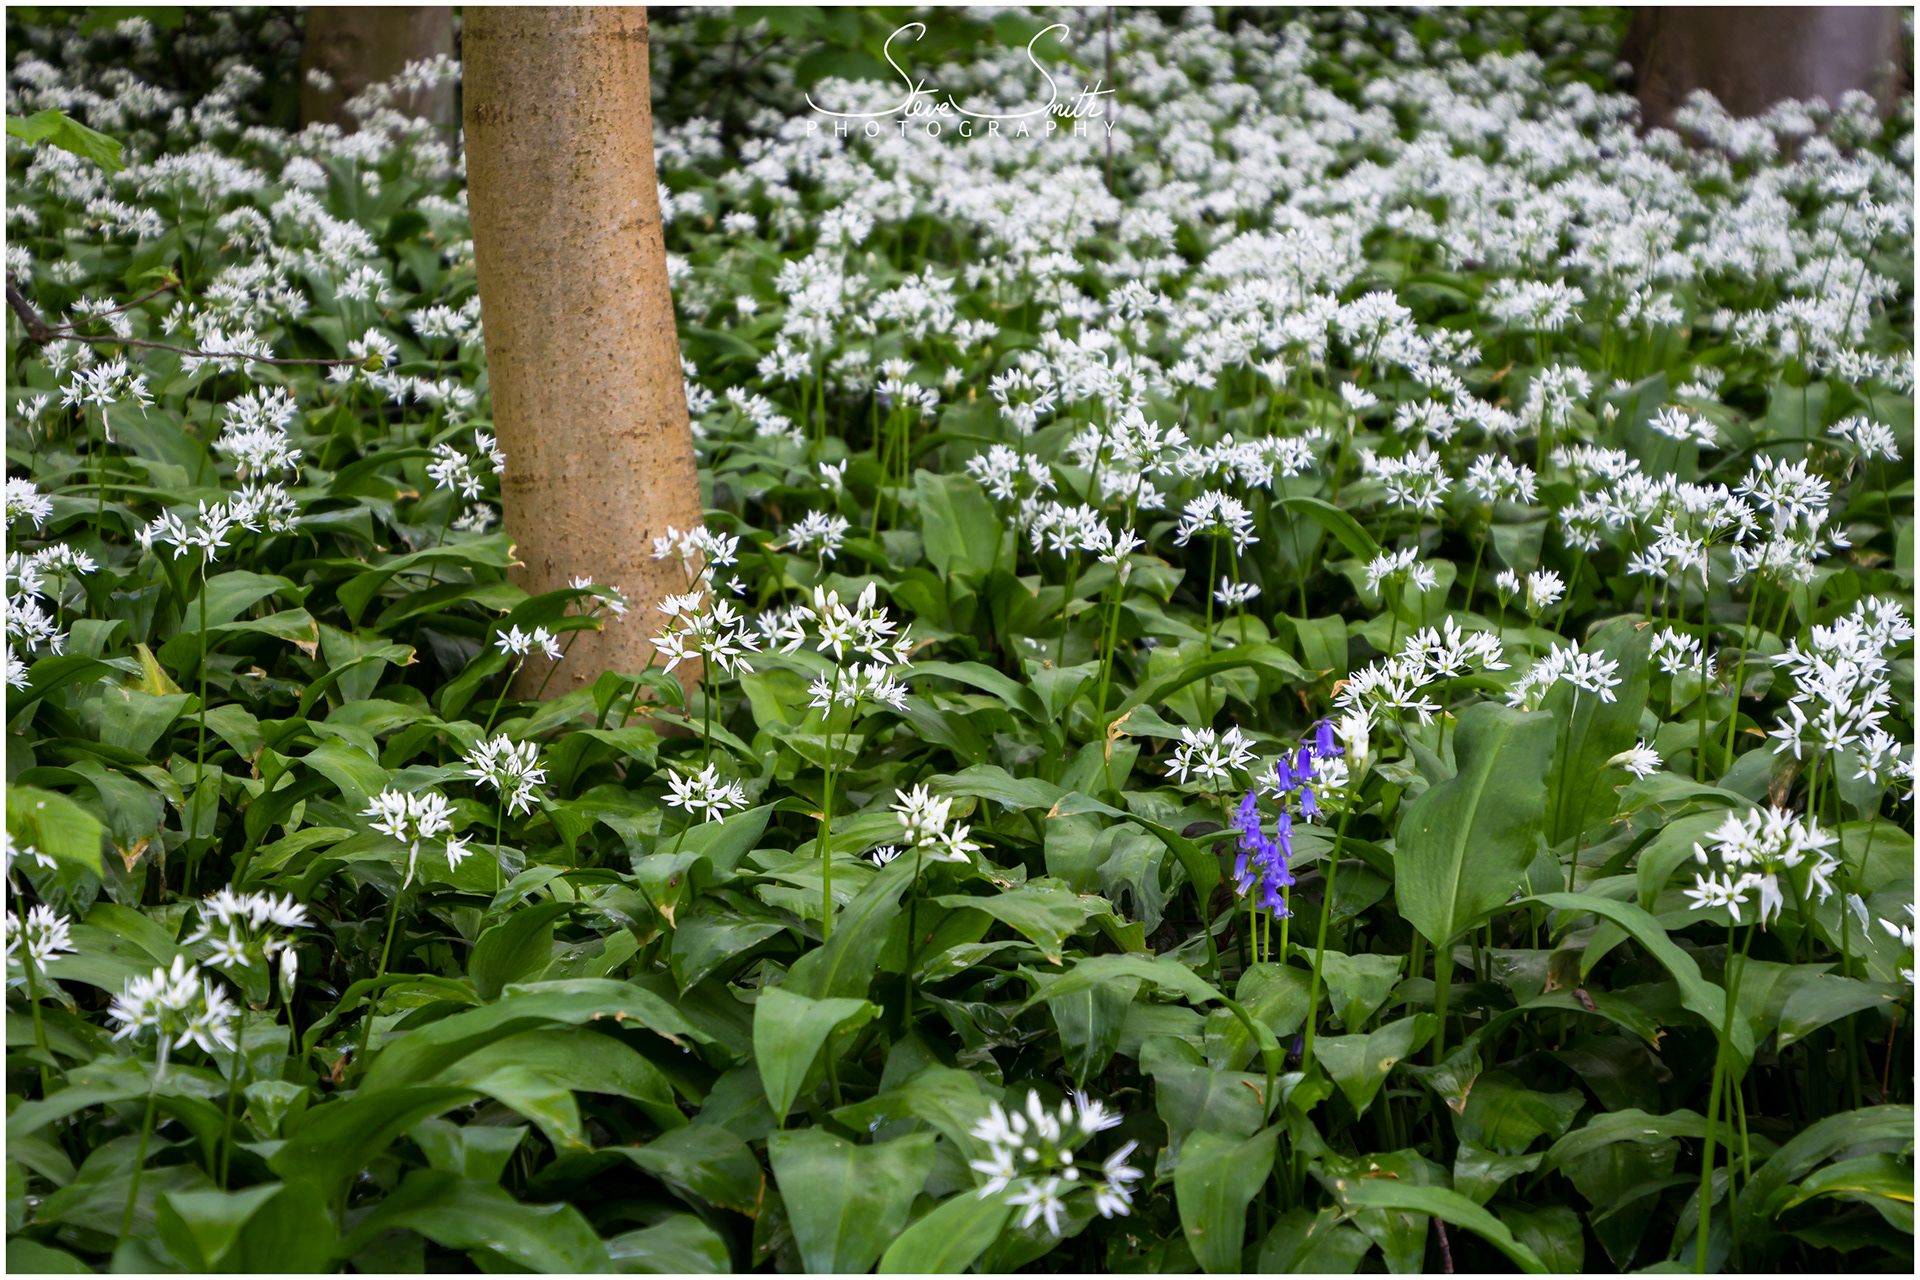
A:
[55,826]
[1465,844]
[1169,975]
[200,1226]
[273,1227]
[1882,1175]
[724,843]
[228,595]
[1478,1172]
[947,1240]
[1696,993]
[1387,1193]
[845,965]
[1191,1096]
[1357,985]
[1553,1231]
[1359,1063]
[1016,696]
[1828,997]
[55,126]
[1303,1242]
[495,551]
[959,530]
[570,1059]
[1624,1126]
[329,1145]
[1594,731]
[518,949]
[1218,1174]
[1045,911]
[847,1203]
[991,782]
[476,1151]
[358,775]
[705,1160]
[952,1101]
[1275,995]
[29,1257]
[487,1222]
[361,658]
[682,1245]
[420,1054]
[1345,529]
[1505,1116]
[1819,1141]
[712,932]
[1089,1023]
[788,1031]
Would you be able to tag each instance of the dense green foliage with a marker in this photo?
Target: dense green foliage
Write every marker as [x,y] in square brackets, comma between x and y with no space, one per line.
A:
[1320,683]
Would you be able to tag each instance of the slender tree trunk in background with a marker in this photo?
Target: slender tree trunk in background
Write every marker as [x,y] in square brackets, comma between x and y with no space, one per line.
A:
[359,46]
[582,354]
[1750,57]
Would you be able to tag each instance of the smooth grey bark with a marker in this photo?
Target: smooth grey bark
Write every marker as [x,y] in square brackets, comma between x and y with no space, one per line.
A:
[1750,56]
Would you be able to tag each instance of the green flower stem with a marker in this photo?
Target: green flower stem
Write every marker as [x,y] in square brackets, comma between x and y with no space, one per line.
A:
[1700,744]
[825,840]
[39,1028]
[1565,745]
[1732,995]
[1320,946]
[1206,684]
[1479,553]
[386,948]
[1740,670]
[433,573]
[140,1157]
[200,750]
[555,666]
[1066,607]
[233,1089]
[507,684]
[1573,584]
[1738,1104]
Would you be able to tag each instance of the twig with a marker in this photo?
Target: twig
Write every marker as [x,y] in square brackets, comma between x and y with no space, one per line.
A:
[1446,1253]
[42,333]
[36,327]
[102,315]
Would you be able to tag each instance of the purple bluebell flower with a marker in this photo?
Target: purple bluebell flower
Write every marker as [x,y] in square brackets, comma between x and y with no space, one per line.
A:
[1325,745]
[1262,864]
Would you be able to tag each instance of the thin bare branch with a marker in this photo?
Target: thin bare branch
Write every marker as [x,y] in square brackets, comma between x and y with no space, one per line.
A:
[39,331]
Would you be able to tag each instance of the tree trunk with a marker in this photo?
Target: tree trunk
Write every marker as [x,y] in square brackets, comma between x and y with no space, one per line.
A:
[582,354]
[355,47]
[1750,57]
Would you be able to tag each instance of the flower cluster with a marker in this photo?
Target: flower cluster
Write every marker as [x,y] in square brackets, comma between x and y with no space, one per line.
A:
[242,929]
[1209,756]
[927,822]
[1755,850]
[36,940]
[510,768]
[177,1006]
[716,634]
[411,817]
[706,792]
[1033,1152]
[1587,672]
